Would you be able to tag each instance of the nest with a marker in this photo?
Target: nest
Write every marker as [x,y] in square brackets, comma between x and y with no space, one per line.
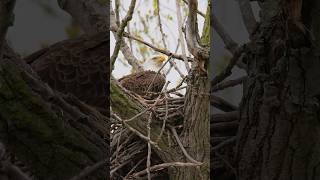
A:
[128,151]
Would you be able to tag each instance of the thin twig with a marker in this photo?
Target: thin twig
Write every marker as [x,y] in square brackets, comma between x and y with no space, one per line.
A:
[6,20]
[165,117]
[224,143]
[230,44]
[161,50]
[199,12]
[247,15]
[165,165]
[89,170]
[227,84]
[163,35]
[183,47]
[226,162]
[135,131]
[149,147]
[174,132]
[125,49]
[134,167]
[227,71]
[120,31]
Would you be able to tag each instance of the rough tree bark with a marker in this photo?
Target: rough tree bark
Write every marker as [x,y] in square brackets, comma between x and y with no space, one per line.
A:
[54,135]
[279,129]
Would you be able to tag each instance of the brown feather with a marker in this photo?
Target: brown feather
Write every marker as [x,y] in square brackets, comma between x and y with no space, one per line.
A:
[77,66]
[139,82]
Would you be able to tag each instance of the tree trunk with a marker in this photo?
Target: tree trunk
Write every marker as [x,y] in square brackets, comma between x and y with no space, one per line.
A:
[279,130]
[195,135]
[54,135]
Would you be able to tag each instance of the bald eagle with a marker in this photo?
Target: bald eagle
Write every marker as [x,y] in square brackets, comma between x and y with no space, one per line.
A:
[77,66]
[148,80]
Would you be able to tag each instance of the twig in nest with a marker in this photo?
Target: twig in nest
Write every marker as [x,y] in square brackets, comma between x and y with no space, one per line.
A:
[89,170]
[163,166]
[134,167]
[165,118]
[135,131]
[174,132]
[149,147]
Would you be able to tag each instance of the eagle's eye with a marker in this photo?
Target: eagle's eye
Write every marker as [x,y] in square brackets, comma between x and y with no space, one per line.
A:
[159,59]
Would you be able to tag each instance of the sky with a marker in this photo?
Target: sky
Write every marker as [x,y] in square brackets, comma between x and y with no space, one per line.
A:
[229,15]
[35,26]
[170,28]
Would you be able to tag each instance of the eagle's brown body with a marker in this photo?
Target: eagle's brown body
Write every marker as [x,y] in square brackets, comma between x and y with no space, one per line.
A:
[77,66]
[140,82]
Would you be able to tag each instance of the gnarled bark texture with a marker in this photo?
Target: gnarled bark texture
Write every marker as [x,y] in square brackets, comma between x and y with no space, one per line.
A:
[54,135]
[279,130]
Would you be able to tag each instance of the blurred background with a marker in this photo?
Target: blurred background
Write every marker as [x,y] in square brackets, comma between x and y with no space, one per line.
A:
[229,15]
[38,24]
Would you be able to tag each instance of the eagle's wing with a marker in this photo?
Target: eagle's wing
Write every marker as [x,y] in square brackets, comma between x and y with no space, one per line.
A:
[139,82]
[77,66]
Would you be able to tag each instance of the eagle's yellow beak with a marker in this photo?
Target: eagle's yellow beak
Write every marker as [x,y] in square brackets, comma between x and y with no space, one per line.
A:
[159,59]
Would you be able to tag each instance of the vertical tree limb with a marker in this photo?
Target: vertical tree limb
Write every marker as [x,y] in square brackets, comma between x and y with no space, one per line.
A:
[6,20]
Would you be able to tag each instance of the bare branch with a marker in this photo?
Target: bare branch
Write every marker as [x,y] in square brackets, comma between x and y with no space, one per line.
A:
[163,35]
[183,47]
[163,51]
[6,20]
[225,117]
[199,12]
[224,143]
[89,170]
[120,31]
[230,44]
[227,71]
[174,132]
[127,53]
[227,84]
[192,35]
[247,15]
[163,166]
[92,15]
[222,104]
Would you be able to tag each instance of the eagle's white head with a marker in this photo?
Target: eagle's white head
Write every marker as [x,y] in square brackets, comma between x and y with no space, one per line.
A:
[155,63]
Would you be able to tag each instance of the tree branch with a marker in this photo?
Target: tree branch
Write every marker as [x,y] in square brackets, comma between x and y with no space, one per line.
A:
[247,15]
[127,53]
[163,51]
[192,35]
[230,44]
[6,20]
[183,47]
[227,84]
[92,15]
[222,104]
[120,31]
[228,70]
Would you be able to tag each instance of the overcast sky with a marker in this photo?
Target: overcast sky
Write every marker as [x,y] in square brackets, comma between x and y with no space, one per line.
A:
[34,26]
